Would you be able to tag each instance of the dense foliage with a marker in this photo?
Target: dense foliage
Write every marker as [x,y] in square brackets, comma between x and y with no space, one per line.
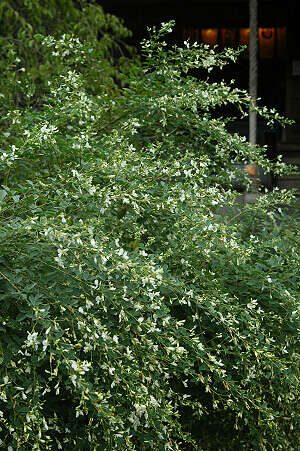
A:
[141,307]
[26,68]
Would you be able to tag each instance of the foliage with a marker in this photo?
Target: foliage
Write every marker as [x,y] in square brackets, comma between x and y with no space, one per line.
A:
[26,68]
[141,307]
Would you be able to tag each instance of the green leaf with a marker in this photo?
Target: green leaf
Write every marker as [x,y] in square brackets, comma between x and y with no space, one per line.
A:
[3,194]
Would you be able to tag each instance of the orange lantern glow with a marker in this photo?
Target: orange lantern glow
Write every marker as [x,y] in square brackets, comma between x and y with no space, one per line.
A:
[244,36]
[266,38]
[210,36]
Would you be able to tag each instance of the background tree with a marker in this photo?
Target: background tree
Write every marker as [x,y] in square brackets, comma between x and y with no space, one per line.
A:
[22,58]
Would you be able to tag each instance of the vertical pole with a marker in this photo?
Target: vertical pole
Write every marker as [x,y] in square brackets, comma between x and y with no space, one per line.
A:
[253,63]
[253,69]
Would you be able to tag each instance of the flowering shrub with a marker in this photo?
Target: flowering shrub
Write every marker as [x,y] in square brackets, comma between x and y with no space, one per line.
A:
[136,311]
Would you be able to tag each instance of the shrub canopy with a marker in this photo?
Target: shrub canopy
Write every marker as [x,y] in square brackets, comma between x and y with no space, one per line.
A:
[141,307]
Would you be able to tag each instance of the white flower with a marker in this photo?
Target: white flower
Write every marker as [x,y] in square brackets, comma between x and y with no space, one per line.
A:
[252,304]
[45,344]
[74,365]
[45,425]
[122,315]
[85,367]
[73,379]
[153,401]
[140,409]
[32,339]
[92,190]
[58,259]
[87,347]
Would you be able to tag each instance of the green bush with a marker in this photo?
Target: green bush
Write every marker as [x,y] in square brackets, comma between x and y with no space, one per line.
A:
[136,311]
